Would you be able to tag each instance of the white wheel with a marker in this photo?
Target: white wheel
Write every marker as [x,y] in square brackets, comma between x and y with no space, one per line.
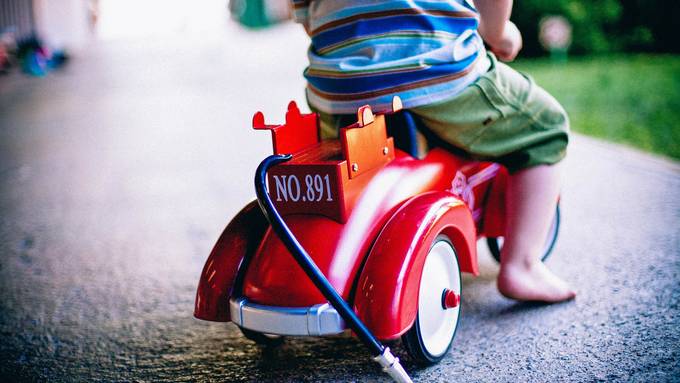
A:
[430,337]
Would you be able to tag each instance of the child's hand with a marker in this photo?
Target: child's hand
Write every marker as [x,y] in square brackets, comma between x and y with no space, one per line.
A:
[509,43]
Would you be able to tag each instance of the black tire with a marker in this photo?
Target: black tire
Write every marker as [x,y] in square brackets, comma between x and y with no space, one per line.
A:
[265,340]
[413,340]
[496,243]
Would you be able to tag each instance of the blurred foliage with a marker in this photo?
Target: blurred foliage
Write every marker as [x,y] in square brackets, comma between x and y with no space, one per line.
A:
[631,99]
[604,25]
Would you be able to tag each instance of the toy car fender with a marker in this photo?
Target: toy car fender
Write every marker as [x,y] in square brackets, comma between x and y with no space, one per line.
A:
[240,238]
[387,289]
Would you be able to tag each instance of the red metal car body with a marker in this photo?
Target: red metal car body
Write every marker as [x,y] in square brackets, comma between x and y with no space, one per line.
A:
[368,215]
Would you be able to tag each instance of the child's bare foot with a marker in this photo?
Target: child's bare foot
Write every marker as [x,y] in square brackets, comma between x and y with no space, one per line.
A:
[533,282]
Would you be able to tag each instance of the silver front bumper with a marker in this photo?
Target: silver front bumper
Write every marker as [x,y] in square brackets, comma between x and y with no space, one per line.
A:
[321,319]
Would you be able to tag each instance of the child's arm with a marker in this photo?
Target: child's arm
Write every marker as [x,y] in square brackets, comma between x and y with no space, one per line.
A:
[497,30]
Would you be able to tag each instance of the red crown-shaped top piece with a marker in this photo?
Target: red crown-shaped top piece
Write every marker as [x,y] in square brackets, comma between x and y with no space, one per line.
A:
[299,132]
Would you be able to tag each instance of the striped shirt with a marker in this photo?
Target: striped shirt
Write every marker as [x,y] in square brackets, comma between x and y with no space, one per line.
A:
[365,52]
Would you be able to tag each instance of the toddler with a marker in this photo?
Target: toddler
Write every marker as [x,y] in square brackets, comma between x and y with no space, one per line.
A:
[432,55]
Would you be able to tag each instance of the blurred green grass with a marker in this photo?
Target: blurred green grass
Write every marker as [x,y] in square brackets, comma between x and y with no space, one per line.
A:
[630,99]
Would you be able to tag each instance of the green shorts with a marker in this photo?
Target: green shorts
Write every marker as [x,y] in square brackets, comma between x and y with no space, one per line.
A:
[503,117]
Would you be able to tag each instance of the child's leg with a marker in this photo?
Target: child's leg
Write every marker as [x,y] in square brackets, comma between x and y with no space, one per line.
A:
[530,206]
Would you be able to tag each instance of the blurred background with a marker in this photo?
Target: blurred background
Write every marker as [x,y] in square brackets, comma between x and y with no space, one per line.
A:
[590,54]
[126,146]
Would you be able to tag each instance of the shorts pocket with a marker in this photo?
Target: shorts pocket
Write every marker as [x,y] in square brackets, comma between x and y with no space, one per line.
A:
[507,89]
[461,120]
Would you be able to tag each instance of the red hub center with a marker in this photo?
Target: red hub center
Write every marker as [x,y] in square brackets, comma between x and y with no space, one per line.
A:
[450,299]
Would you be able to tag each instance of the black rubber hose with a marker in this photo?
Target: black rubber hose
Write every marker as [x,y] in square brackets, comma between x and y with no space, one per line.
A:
[305,261]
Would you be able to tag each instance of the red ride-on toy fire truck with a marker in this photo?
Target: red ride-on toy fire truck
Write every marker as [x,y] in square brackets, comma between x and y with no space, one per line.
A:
[355,234]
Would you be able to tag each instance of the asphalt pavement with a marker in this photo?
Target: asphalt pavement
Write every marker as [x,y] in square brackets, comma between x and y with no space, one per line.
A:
[118,173]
